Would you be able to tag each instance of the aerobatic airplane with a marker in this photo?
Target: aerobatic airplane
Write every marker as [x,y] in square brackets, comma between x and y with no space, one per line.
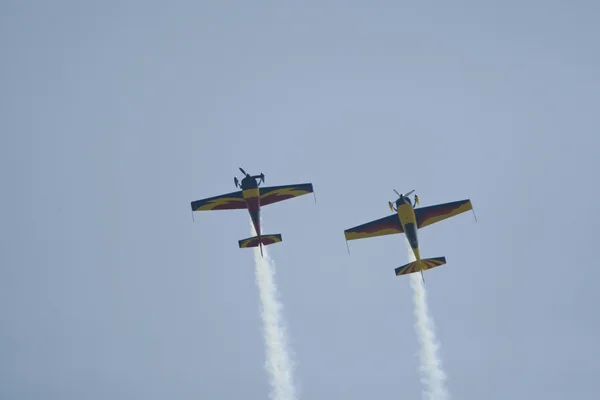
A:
[408,220]
[251,198]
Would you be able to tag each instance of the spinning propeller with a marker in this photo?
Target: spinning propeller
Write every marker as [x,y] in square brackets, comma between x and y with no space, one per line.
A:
[400,195]
[406,195]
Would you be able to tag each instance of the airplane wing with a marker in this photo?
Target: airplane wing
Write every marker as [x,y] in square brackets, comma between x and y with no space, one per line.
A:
[229,201]
[274,194]
[383,226]
[432,214]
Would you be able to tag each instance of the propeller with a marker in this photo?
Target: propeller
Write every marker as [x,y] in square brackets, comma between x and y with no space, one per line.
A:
[243,172]
[235,181]
[406,195]
[262,177]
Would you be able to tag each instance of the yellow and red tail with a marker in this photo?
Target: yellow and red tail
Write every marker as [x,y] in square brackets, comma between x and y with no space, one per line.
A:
[263,240]
[423,265]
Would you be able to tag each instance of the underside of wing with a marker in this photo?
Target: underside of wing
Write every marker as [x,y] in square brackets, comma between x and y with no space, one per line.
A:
[274,194]
[432,214]
[229,201]
[384,226]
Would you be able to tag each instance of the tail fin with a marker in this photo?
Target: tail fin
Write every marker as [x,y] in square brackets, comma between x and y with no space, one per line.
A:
[425,264]
[255,241]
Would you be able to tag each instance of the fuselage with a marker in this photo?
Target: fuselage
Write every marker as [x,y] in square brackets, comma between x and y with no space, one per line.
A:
[251,194]
[406,214]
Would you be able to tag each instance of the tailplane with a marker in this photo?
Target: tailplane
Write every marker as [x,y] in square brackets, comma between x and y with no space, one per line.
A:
[263,240]
[425,264]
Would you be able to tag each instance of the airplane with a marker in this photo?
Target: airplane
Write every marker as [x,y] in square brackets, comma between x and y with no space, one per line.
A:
[251,197]
[409,220]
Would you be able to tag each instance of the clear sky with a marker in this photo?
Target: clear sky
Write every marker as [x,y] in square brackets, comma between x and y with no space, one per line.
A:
[116,115]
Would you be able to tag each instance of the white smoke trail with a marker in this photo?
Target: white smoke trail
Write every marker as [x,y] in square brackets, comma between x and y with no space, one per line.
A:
[278,362]
[432,375]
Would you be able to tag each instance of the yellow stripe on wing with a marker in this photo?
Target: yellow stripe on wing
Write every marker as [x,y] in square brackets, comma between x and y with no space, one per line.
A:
[275,194]
[364,234]
[432,214]
[383,226]
[229,201]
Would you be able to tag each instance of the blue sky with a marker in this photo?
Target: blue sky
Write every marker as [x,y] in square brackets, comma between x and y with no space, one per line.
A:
[116,115]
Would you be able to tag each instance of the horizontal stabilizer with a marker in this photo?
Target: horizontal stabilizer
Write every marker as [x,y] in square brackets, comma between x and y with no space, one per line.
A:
[265,240]
[426,263]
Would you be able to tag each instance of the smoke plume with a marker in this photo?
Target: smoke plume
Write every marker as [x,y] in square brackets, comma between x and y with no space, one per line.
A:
[432,375]
[278,364]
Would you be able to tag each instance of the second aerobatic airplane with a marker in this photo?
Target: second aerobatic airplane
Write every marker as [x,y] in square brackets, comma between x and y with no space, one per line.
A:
[251,197]
[408,220]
